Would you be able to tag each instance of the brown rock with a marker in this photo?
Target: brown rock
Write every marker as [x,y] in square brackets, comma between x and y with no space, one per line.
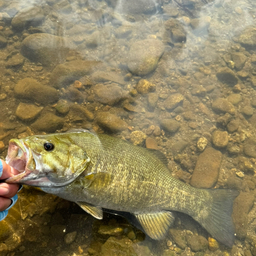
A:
[144,86]
[173,101]
[223,106]
[27,112]
[227,76]
[220,139]
[206,172]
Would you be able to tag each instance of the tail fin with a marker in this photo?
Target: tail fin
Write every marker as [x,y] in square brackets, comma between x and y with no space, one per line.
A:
[219,221]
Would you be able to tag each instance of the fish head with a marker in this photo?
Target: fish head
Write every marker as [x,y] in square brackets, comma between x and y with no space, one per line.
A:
[46,160]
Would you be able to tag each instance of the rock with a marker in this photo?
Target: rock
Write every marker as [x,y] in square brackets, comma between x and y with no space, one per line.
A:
[110,230]
[151,143]
[170,125]
[173,101]
[152,101]
[253,81]
[16,61]
[242,205]
[110,122]
[175,31]
[227,76]
[3,42]
[197,243]
[30,89]
[250,147]
[206,172]
[70,237]
[223,106]
[45,48]
[74,95]
[78,113]
[106,76]
[233,149]
[144,55]
[202,143]
[248,38]
[220,139]
[179,238]
[239,60]
[138,137]
[31,16]
[233,125]
[27,112]
[122,246]
[48,123]
[234,98]
[213,244]
[65,74]
[109,94]
[144,86]
[62,107]
[247,111]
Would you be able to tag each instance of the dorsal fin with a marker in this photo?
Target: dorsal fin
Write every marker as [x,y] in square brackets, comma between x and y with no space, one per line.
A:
[156,225]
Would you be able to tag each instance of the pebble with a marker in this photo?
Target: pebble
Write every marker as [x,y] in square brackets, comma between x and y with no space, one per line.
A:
[3,41]
[144,55]
[247,38]
[202,143]
[31,89]
[152,101]
[48,123]
[234,98]
[223,106]
[107,76]
[170,125]
[44,48]
[1,145]
[62,107]
[197,242]
[220,139]
[250,147]
[144,86]
[110,122]
[233,149]
[227,76]
[138,137]
[179,238]
[213,245]
[110,230]
[206,172]
[239,59]
[151,143]
[247,110]
[27,112]
[15,61]
[3,96]
[173,101]
[70,237]
[108,94]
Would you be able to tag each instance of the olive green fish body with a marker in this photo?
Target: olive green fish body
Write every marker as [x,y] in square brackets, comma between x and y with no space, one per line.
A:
[100,171]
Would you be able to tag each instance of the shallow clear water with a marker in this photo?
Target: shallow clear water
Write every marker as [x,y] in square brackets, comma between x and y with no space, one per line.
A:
[178,76]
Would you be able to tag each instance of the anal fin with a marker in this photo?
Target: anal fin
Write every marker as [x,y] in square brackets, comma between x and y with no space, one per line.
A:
[156,225]
[95,211]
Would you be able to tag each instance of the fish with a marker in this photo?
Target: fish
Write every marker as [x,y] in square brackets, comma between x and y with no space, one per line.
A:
[100,173]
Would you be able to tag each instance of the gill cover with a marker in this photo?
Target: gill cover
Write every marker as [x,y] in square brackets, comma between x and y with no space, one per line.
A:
[44,166]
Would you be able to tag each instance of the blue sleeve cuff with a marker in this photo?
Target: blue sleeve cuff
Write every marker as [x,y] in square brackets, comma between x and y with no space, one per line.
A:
[4,213]
[1,168]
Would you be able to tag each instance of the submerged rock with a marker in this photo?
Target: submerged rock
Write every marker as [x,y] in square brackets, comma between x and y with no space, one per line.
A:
[170,125]
[223,106]
[173,101]
[144,56]
[220,139]
[250,147]
[27,112]
[206,172]
[227,76]
[248,38]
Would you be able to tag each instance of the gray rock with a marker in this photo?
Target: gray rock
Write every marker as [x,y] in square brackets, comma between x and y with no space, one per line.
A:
[110,122]
[70,237]
[67,73]
[250,147]
[248,38]
[223,106]
[30,89]
[31,16]
[16,61]
[173,101]
[144,55]
[206,172]
[233,125]
[48,123]
[109,94]
[3,41]
[27,112]
[227,76]
[239,60]
[45,48]
[170,125]
[220,139]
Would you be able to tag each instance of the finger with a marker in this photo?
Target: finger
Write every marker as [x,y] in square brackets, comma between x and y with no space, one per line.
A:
[8,190]
[8,171]
[4,203]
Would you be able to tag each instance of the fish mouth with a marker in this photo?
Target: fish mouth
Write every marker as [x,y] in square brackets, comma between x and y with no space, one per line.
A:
[19,156]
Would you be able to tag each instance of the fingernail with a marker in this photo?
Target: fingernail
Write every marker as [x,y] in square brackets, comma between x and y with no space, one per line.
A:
[4,191]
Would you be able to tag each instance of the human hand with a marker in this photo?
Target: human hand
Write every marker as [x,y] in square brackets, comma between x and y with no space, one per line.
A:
[8,192]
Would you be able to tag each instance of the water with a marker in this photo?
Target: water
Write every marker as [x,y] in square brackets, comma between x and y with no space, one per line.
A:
[182,73]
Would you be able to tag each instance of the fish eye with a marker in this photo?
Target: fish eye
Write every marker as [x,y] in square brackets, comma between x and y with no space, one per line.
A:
[48,146]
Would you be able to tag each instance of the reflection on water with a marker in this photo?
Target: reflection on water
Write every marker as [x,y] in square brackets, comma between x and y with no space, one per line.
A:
[178,76]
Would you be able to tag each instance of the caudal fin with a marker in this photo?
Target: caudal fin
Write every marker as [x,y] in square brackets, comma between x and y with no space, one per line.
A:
[219,221]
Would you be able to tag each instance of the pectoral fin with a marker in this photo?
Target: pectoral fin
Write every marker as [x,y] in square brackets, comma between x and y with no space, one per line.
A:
[157,224]
[95,211]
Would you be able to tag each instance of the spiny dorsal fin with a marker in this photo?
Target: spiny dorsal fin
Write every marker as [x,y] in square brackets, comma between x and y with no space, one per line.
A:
[157,224]
[161,156]
[95,211]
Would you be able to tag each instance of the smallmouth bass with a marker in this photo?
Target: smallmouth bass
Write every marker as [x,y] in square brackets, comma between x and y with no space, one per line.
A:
[102,172]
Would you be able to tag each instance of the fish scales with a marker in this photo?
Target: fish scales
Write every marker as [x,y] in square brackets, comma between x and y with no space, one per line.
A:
[102,172]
